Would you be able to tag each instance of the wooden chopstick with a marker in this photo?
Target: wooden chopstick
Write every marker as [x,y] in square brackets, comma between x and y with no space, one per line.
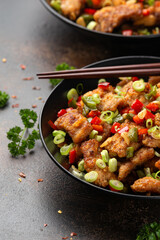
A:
[112,71]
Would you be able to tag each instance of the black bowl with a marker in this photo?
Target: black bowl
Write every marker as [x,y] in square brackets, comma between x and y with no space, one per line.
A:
[58,100]
[144,39]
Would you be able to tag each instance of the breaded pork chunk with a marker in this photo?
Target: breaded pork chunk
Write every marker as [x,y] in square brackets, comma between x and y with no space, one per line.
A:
[146,184]
[75,124]
[72,8]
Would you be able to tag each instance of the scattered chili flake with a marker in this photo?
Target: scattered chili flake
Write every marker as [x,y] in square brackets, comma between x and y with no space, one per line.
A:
[4,60]
[73,234]
[65,237]
[39,98]
[15,105]
[36,88]
[21,174]
[59,211]
[45,225]
[28,78]
[19,179]
[34,106]
[40,180]
[14,96]
[23,67]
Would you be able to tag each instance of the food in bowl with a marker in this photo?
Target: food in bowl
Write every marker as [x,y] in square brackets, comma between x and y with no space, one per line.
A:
[111,135]
[126,17]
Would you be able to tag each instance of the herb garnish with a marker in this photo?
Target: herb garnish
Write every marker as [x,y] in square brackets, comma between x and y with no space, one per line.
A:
[23,139]
[4,97]
[149,232]
[62,66]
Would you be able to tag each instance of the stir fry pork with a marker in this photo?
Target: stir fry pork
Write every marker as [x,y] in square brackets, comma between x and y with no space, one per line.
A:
[75,124]
[146,184]
[72,8]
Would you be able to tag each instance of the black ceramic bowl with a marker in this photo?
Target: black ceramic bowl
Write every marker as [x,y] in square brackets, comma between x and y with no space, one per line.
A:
[103,36]
[58,100]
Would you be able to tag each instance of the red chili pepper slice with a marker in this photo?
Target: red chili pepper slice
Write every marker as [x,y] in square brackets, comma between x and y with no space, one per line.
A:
[138,120]
[125,110]
[153,107]
[90,11]
[96,2]
[94,113]
[115,127]
[142,131]
[79,98]
[114,190]
[72,156]
[145,12]
[61,112]
[124,129]
[98,128]
[104,85]
[52,125]
[127,32]
[137,106]
[135,79]
[96,120]
[149,115]
[69,101]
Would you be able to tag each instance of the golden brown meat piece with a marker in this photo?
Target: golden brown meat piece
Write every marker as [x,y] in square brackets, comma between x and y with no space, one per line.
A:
[91,153]
[72,8]
[154,80]
[146,184]
[108,18]
[118,143]
[75,124]
[140,157]
[148,141]
[157,119]
[110,102]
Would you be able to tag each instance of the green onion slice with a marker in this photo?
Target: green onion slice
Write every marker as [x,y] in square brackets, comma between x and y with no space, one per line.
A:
[133,134]
[130,152]
[152,92]
[154,132]
[116,184]
[107,116]
[100,163]
[139,85]
[96,98]
[66,149]
[72,93]
[93,134]
[101,80]
[58,139]
[76,172]
[157,154]
[56,132]
[91,176]
[98,138]
[105,156]
[149,123]
[157,175]
[81,166]
[147,171]
[79,88]
[89,102]
[112,165]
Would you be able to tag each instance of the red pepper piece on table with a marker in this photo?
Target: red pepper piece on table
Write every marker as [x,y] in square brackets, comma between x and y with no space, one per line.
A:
[62,112]
[72,156]
[98,128]
[153,107]
[94,113]
[127,32]
[124,129]
[149,115]
[96,120]
[137,106]
[138,120]
[115,127]
[90,11]
[104,85]
[52,125]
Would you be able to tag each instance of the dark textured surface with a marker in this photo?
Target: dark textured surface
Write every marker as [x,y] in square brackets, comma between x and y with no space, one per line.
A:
[31,36]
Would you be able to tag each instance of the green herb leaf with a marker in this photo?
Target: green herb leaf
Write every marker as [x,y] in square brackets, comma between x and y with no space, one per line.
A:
[4,97]
[62,66]
[149,231]
[28,117]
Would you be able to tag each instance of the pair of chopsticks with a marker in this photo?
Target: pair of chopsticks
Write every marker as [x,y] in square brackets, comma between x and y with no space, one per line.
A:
[149,69]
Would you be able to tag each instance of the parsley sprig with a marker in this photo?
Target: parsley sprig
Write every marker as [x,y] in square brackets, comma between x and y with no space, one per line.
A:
[149,231]
[62,66]
[4,97]
[23,138]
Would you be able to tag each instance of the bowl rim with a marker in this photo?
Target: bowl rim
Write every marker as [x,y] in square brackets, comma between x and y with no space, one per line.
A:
[126,195]
[98,33]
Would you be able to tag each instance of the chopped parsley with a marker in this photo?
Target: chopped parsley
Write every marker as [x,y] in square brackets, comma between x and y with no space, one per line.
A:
[4,97]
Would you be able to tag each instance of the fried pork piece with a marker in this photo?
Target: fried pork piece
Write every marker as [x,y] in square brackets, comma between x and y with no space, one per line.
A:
[146,184]
[108,18]
[75,124]
[72,8]
[157,119]
[140,157]
[148,141]
[110,102]
[117,144]
[91,153]
[154,80]
[132,95]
